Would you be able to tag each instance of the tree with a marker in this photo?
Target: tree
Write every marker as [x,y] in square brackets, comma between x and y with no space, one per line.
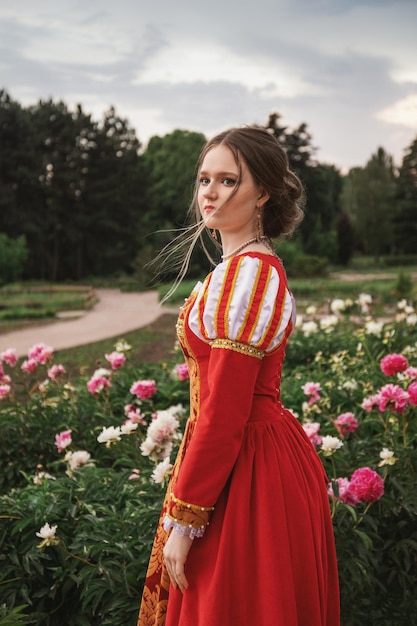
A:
[345,238]
[171,165]
[60,178]
[19,169]
[322,184]
[369,199]
[74,187]
[405,223]
[114,196]
[13,254]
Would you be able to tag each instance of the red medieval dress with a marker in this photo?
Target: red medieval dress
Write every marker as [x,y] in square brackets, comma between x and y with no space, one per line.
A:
[247,482]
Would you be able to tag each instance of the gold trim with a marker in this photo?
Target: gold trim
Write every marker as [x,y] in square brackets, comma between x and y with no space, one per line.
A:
[190,506]
[237,346]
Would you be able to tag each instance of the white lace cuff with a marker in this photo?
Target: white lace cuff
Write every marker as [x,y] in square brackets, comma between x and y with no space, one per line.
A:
[182,529]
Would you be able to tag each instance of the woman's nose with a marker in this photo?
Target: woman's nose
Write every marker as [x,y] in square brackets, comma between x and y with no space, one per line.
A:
[210,191]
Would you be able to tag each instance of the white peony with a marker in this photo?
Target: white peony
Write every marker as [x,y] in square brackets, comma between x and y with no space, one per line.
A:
[78,458]
[328,322]
[309,328]
[47,532]
[374,328]
[337,305]
[161,470]
[129,427]
[387,457]
[330,444]
[109,435]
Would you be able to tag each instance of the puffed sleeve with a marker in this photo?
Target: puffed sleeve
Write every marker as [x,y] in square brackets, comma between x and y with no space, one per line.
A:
[242,312]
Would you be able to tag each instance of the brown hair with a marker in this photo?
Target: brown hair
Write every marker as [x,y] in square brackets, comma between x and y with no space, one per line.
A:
[268,164]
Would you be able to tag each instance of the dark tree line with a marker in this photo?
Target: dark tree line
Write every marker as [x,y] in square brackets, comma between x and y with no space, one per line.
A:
[75,188]
[381,201]
[89,201]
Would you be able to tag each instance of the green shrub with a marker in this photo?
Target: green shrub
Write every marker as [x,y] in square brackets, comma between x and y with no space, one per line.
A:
[289,250]
[13,255]
[309,265]
[404,285]
[398,260]
[14,617]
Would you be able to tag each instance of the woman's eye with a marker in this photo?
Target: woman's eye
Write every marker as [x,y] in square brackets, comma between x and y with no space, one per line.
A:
[229,182]
[204,180]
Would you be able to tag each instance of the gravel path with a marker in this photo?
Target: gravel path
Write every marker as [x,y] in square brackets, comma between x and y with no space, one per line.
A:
[370,276]
[116,313]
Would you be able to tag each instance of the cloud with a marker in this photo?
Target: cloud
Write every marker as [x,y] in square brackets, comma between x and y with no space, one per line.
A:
[345,68]
[403,112]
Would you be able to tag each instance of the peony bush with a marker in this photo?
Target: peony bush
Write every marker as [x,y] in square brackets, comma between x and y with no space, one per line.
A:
[85,463]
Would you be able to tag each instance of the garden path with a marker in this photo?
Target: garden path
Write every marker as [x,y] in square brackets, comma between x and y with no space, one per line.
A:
[116,313]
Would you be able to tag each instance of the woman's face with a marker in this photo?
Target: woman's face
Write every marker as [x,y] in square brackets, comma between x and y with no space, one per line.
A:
[218,178]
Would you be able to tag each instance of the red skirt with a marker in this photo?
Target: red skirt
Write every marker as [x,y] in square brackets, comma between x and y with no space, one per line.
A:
[267,557]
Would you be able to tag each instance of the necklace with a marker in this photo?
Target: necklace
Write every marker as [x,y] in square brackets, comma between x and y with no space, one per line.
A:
[262,239]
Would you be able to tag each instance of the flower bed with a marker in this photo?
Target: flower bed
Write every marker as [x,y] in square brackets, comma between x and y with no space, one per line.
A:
[85,462]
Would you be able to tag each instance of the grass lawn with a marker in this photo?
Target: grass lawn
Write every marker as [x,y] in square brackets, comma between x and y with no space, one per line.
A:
[152,344]
[36,301]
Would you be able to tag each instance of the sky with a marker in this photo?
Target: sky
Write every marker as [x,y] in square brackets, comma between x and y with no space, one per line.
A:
[347,68]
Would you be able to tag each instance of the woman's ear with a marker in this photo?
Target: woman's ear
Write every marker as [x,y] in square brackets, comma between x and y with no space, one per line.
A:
[262,198]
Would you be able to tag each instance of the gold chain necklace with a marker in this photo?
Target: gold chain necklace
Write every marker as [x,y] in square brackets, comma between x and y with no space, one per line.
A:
[262,239]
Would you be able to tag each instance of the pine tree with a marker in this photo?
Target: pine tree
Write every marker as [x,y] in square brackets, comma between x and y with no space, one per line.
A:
[406,219]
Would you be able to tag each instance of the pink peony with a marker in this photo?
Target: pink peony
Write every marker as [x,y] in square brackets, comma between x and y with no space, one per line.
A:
[412,393]
[311,429]
[182,371]
[133,413]
[411,372]
[392,397]
[346,423]
[312,389]
[134,475]
[55,371]
[63,440]
[369,402]
[9,356]
[29,366]
[393,363]
[116,359]
[366,485]
[40,353]
[345,494]
[143,389]
[4,391]
[163,427]
[96,384]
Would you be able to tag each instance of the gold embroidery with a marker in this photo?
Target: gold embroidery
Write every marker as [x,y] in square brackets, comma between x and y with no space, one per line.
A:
[237,346]
[191,506]
[192,363]
[191,515]
[180,328]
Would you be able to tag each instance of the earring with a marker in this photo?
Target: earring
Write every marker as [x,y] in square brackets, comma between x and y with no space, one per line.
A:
[259,227]
[214,234]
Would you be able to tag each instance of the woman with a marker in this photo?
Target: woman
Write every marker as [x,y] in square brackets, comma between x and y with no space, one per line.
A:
[245,536]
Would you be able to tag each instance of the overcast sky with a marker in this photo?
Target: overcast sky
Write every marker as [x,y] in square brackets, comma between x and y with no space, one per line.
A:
[348,68]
